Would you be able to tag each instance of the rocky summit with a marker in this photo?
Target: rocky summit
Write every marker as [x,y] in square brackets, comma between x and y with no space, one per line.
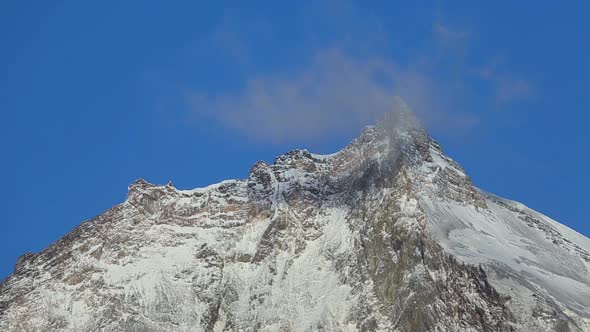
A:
[388,234]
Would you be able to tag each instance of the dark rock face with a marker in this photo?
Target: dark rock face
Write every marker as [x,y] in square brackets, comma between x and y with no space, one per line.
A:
[386,235]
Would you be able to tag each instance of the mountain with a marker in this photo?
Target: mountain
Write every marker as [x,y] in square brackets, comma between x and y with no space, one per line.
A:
[388,234]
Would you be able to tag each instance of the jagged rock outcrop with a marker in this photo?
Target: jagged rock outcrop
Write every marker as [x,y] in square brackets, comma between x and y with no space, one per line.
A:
[388,234]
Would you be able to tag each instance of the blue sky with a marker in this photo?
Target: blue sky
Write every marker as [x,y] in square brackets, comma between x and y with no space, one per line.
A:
[94,95]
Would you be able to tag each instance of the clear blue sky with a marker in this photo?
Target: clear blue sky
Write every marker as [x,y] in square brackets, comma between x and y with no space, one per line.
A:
[94,95]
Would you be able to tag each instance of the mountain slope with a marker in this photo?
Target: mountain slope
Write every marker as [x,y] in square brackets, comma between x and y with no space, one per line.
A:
[388,234]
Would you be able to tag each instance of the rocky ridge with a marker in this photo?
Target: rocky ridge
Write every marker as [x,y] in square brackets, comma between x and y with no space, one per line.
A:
[388,234]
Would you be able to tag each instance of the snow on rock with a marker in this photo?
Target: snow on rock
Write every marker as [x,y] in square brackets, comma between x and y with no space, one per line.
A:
[388,234]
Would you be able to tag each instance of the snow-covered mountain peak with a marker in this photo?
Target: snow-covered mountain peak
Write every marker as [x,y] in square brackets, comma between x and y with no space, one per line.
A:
[387,234]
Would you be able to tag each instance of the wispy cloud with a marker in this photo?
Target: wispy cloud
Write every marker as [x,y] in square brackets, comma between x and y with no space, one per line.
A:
[341,88]
[508,88]
[334,93]
[449,37]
